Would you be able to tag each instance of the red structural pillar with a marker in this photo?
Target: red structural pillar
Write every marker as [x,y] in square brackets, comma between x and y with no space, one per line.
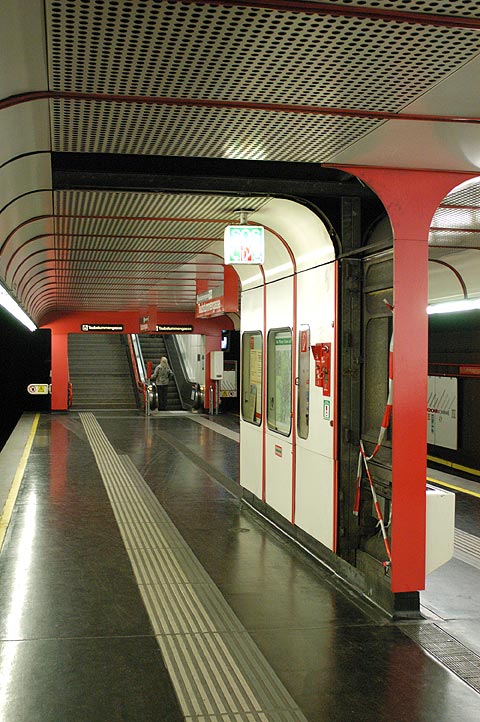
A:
[410,198]
[409,432]
[60,373]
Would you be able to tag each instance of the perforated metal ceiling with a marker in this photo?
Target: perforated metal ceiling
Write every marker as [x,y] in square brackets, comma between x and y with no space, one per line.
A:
[161,48]
[465,8]
[117,250]
[456,224]
[124,250]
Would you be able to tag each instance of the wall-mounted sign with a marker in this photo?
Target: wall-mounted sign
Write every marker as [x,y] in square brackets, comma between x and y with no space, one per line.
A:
[164,328]
[228,385]
[216,301]
[144,321]
[36,389]
[210,303]
[469,370]
[244,244]
[209,309]
[101,327]
[326,409]
[442,411]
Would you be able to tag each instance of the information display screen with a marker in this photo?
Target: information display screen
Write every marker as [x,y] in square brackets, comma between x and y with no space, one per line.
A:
[244,244]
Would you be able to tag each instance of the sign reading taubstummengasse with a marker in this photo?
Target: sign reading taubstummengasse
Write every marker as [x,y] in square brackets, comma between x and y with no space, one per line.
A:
[103,327]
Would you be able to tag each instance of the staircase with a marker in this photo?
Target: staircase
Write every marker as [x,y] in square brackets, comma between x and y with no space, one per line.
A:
[153,348]
[100,372]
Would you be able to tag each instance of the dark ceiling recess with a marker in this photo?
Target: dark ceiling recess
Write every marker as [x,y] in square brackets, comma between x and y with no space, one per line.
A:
[309,183]
[139,172]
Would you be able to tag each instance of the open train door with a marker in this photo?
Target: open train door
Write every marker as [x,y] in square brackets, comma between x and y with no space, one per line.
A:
[366,323]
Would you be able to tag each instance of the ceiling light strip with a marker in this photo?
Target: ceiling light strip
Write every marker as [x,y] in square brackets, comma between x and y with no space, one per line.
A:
[9,304]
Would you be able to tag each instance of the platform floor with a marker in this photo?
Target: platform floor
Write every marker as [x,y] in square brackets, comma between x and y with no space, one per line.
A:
[136,586]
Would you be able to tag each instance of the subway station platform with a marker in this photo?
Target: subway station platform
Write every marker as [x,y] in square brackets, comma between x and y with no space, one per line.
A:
[136,585]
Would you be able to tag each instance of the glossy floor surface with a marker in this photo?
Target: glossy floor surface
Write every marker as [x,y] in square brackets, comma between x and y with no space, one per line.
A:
[135,585]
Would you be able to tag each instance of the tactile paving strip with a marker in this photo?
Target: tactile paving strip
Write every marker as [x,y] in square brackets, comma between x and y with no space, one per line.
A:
[218,672]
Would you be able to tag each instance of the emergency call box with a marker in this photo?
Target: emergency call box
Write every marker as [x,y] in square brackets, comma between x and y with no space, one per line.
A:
[322,354]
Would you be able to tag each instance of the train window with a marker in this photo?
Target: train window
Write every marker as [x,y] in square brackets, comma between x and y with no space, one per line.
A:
[303,400]
[252,376]
[279,380]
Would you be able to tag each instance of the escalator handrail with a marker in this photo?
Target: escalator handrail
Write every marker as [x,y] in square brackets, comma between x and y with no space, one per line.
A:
[136,361]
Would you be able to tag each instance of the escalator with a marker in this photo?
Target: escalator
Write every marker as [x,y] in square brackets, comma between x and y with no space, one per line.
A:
[153,348]
[100,372]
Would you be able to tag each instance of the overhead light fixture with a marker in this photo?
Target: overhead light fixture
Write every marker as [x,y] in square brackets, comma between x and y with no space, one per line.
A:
[12,307]
[453,306]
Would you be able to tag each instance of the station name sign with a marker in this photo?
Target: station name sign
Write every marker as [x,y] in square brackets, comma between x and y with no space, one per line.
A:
[210,303]
[244,244]
[164,328]
[104,327]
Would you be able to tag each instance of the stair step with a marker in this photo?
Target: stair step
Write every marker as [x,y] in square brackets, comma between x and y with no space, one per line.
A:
[100,372]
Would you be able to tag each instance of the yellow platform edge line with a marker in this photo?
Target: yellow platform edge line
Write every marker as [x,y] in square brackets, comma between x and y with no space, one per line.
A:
[455,488]
[450,464]
[17,480]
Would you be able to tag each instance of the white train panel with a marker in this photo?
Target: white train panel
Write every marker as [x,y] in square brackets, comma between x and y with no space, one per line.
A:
[279,304]
[279,447]
[313,476]
[314,498]
[251,441]
[251,458]
[315,481]
[279,473]
[278,262]
[316,309]
[252,310]
[305,232]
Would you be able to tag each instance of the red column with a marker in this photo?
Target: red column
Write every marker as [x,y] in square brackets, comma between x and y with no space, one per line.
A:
[409,431]
[410,198]
[59,371]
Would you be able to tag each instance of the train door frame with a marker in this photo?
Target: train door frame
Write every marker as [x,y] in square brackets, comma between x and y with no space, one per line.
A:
[353,318]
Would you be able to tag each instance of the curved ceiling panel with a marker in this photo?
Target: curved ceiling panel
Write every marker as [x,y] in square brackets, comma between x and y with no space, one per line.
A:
[24,47]
[21,180]
[26,218]
[151,61]
[130,250]
[454,245]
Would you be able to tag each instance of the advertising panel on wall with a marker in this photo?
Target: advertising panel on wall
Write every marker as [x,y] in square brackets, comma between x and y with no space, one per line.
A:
[442,411]
[210,303]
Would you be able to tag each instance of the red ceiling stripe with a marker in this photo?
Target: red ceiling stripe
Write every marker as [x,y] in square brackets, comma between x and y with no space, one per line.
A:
[356,11]
[235,105]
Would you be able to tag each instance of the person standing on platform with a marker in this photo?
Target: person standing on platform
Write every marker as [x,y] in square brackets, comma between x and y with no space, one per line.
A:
[161,377]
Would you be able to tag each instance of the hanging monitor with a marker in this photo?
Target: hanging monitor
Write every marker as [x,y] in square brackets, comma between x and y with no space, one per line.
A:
[244,244]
